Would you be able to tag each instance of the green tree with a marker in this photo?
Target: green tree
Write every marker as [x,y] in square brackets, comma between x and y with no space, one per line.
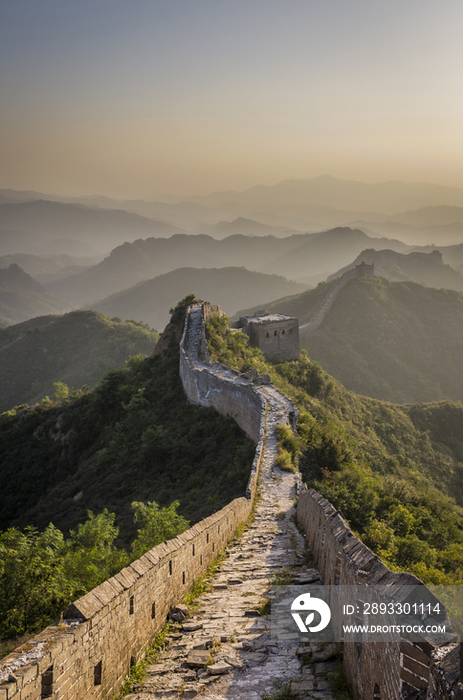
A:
[90,554]
[61,391]
[33,584]
[156,525]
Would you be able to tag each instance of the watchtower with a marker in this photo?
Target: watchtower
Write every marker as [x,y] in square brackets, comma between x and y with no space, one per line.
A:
[276,335]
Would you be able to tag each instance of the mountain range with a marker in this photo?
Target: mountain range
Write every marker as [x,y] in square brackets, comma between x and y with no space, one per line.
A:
[303,205]
[296,257]
[98,228]
[45,268]
[230,287]
[304,196]
[424,268]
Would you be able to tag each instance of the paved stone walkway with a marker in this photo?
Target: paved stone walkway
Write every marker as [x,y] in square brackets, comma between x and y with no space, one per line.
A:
[224,649]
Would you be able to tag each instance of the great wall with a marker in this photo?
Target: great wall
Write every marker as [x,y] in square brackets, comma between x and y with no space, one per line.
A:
[362,270]
[88,654]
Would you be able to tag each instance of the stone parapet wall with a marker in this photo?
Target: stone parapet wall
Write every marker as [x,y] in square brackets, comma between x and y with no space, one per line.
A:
[113,624]
[89,654]
[215,385]
[386,671]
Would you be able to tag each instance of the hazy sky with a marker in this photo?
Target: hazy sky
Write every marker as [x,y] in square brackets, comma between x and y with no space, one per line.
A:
[135,98]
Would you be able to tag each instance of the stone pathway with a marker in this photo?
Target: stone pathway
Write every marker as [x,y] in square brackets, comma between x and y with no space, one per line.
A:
[224,649]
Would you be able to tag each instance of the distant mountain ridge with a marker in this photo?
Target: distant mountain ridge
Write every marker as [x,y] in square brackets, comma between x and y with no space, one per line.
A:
[22,297]
[423,268]
[311,204]
[230,287]
[244,227]
[326,190]
[99,227]
[44,268]
[296,258]
[443,215]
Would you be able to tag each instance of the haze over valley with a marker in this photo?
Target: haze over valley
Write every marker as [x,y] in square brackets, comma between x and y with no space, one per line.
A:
[385,340]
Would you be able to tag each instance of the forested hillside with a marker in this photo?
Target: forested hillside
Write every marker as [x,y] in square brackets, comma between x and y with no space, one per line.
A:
[424,268]
[134,439]
[394,471]
[75,349]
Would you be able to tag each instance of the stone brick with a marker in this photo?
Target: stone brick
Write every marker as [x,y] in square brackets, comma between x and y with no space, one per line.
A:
[31,691]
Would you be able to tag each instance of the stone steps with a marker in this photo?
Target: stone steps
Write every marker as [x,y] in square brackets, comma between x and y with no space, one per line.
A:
[229,653]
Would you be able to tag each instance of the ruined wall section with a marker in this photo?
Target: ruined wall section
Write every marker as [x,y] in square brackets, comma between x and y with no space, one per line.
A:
[362,270]
[88,655]
[389,670]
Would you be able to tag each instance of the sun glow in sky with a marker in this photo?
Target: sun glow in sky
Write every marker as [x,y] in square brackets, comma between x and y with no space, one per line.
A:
[135,99]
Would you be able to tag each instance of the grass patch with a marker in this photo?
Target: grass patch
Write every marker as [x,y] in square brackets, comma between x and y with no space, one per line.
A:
[289,448]
[265,607]
[204,583]
[284,578]
[339,684]
[138,672]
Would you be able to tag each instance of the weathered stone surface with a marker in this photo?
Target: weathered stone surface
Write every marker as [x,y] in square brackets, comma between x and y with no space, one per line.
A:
[325,652]
[198,659]
[219,668]
[181,608]
[191,626]
[118,626]
[236,663]
[204,644]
